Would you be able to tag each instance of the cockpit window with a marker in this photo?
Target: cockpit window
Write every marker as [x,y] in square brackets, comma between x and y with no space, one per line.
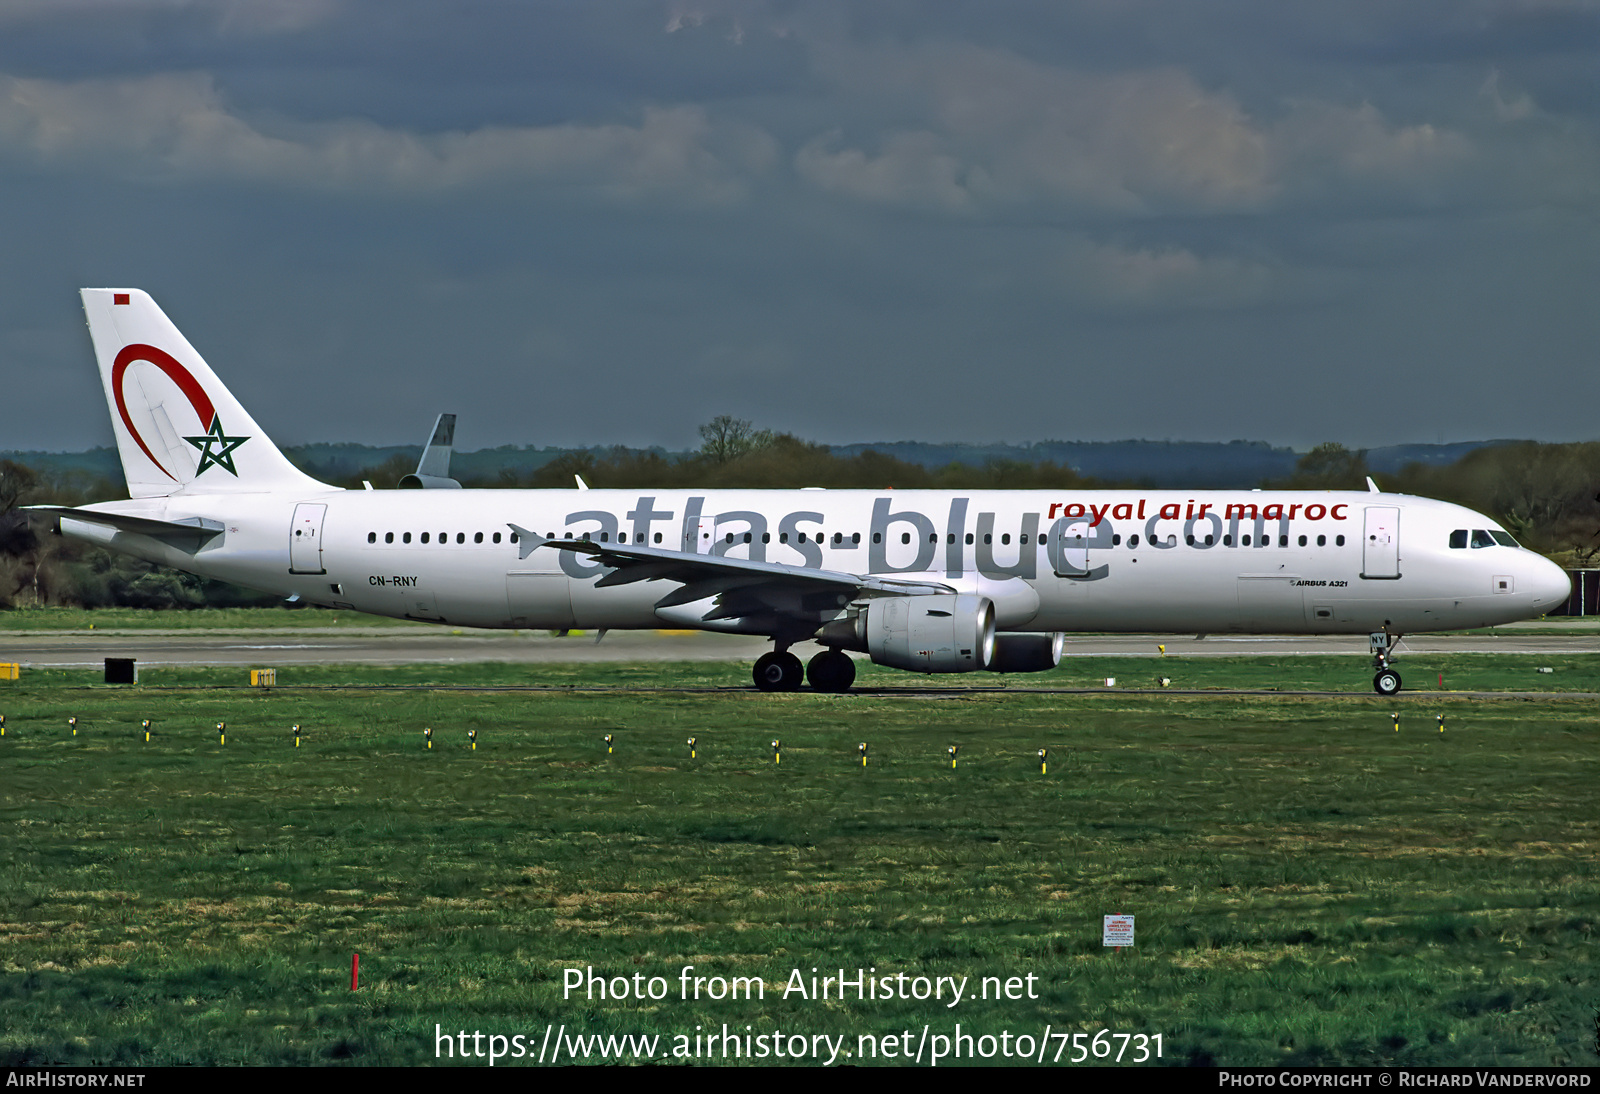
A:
[1503,538]
[1458,539]
[1481,538]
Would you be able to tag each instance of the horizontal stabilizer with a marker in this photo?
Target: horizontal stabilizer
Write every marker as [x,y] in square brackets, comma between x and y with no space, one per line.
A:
[186,533]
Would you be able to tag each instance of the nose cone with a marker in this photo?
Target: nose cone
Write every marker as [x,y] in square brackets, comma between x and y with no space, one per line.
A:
[1549,585]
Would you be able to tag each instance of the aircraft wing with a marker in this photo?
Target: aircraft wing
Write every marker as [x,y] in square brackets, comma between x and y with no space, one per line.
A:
[187,533]
[743,587]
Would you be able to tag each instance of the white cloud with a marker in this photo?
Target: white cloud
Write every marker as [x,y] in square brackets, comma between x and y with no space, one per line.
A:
[179,127]
[912,169]
[972,129]
[232,16]
[1322,141]
[1171,277]
[996,128]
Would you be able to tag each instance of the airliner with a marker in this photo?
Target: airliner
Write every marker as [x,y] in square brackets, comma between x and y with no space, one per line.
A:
[930,581]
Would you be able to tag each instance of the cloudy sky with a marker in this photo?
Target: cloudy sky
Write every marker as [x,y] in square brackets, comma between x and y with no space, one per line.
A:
[609,222]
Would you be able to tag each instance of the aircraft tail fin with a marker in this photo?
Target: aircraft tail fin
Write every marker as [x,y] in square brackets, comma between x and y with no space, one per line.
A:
[178,429]
[433,470]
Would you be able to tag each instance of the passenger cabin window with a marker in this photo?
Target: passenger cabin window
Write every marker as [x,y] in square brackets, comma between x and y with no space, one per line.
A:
[388,537]
[1322,541]
[1338,541]
[372,537]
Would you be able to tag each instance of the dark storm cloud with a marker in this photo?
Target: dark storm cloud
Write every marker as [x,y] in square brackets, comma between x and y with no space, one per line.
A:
[608,223]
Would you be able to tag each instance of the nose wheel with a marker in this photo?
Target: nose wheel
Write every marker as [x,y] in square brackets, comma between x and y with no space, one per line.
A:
[1387,681]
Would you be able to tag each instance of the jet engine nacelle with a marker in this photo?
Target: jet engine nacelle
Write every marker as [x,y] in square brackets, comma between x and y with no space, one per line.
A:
[946,632]
[428,482]
[1026,652]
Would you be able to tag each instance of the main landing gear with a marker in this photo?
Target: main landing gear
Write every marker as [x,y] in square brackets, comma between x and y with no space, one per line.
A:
[831,671]
[1387,681]
[780,670]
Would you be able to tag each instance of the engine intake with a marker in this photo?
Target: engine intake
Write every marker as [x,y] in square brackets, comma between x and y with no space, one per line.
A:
[946,632]
[1026,652]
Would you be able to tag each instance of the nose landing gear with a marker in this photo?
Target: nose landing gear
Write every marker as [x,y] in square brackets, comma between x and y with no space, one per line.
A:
[1386,681]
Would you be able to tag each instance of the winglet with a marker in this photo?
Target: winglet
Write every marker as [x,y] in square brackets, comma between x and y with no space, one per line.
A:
[1372,487]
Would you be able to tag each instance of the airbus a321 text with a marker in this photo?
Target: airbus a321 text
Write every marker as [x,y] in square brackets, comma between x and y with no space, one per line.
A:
[931,581]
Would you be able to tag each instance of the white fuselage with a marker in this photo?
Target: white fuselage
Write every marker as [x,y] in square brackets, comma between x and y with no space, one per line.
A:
[1058,560]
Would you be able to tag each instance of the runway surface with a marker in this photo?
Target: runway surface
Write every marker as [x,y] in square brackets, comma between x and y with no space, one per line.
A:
[401,645]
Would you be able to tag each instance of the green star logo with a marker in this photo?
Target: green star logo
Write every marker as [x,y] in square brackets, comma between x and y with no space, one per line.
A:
[216,448]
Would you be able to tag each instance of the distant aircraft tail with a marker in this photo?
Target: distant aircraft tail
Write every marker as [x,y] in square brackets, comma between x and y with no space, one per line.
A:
[179,430]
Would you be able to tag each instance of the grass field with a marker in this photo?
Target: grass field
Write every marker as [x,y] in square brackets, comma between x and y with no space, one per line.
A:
[1310,887]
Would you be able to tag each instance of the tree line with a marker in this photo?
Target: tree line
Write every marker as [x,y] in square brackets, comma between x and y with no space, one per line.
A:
[1544,494]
